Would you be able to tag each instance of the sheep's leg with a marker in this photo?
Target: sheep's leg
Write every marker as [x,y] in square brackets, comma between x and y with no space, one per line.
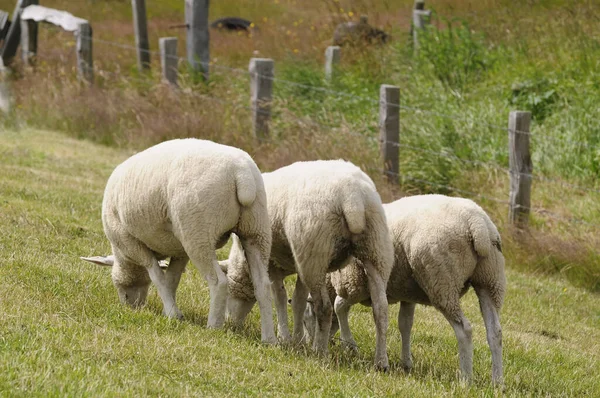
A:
[463,332]
[165,291]
[377,288]
[207,265]
[280,296]
[172,278]
[298,306]
[323,313]
[342,311]
[493,330]
[405,323]
[260,280]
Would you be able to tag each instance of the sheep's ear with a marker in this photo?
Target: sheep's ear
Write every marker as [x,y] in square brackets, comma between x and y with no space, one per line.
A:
[224,264]
[107,261]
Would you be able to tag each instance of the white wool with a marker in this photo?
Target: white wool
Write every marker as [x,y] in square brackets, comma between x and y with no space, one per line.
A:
[442,246]
[182,199]
[322,213]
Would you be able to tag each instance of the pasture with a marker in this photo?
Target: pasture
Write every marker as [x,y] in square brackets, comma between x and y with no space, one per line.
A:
[64,333]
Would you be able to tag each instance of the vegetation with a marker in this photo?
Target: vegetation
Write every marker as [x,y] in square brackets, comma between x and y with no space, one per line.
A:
[64,333]
[477,61]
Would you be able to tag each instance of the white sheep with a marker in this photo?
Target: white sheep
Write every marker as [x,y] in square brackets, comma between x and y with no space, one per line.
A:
[182,199]
[442,245]
[322,213]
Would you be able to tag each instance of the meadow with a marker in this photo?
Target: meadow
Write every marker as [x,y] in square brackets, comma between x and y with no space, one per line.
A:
[63,331]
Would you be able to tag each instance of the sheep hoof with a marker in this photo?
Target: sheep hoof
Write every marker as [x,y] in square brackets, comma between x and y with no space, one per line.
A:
[174,315]
[383,369]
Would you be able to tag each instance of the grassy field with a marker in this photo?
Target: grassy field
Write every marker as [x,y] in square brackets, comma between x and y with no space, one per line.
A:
[64,333]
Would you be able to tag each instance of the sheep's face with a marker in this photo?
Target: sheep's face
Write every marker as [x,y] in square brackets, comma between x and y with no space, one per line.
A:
[240,292]
[132,284]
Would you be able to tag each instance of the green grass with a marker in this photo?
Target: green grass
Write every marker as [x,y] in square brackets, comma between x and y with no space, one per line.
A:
[64,333]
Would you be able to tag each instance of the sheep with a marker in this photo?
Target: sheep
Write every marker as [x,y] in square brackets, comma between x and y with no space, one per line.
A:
[442,246]
[182,199]
[357,32]
[233,24]
[321,212]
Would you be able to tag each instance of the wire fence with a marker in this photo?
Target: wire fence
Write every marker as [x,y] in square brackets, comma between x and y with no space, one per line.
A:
[367,132]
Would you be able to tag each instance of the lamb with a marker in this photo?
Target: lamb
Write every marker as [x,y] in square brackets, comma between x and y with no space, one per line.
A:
[182,199]
[322,213]
[442,246]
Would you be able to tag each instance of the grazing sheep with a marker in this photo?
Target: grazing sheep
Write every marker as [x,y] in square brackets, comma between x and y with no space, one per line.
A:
[358,32]
[182,199]
[443,245]
[322,213]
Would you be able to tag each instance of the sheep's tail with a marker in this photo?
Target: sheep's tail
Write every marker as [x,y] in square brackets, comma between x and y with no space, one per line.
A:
[245,185]
[489,273]
[353,207]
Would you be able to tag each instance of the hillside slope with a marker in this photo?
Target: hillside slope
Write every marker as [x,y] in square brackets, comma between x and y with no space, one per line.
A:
[63,332]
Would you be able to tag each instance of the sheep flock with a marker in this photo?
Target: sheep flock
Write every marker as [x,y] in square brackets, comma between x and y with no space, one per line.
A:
[323,221]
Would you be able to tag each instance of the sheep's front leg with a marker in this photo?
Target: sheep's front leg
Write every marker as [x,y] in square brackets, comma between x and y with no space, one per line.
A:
[298,306]
[405,322]
[167,286]
[280,296]
[323,313]
[342,311]
[377,288]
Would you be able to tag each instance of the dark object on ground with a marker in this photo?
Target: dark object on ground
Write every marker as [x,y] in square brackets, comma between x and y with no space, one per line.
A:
[358,33]
[233,24]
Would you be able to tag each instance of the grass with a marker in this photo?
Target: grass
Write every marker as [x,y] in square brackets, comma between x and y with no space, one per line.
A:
[64,333]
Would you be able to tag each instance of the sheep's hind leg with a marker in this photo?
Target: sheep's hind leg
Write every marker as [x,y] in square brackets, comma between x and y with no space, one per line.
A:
[342,311]
[405,322]
[377,288]
[463,332]
[493,331]
[260,280]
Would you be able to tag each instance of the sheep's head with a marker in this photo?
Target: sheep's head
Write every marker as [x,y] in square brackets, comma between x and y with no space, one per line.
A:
[132,282]
[240,292]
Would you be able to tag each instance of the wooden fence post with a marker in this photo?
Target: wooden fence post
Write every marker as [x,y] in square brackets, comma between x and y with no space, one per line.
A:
[332,59]
[196,17]
[520,167]
[29,40]
[420,19]
[261,91]
[141,34]
[389,130]
[85,60]
[169,59]
[13,37]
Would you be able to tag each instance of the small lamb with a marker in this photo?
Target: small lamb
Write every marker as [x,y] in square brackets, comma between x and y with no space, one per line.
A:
[443,245]
[322,213]
[182,199]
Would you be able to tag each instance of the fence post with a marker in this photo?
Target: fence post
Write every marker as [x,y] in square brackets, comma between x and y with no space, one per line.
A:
[12,39]
[29,40]
[420,19]
[168,59]
[141,34]
[332,59]
[520,167]
[196,18]
[389,130]
[5,100]
[261,89]
[85,60]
